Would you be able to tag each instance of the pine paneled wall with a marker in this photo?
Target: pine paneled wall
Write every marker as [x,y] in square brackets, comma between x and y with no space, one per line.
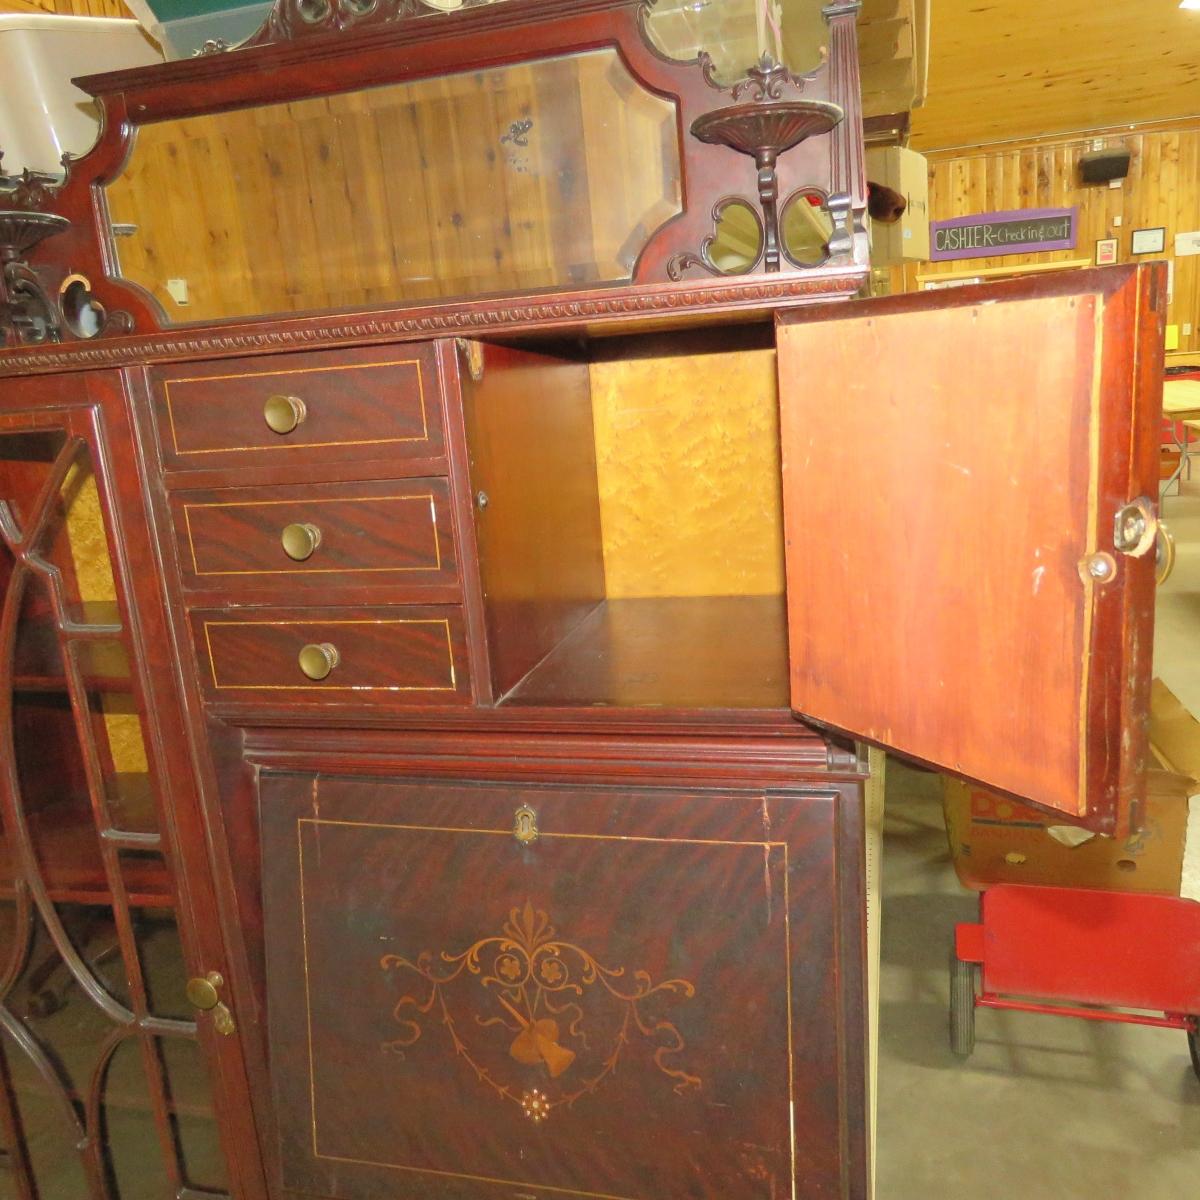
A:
[68,8]
[1163,188]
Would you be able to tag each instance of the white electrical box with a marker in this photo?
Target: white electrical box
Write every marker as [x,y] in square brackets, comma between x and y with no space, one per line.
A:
[907,172]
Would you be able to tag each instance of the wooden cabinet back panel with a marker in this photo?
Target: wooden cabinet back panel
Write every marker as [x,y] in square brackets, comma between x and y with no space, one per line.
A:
[479,990]
[380,402]
[394,533]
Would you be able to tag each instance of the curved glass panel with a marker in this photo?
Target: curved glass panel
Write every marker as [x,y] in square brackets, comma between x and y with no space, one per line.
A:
[736,33]
[95,1100]
[535,176]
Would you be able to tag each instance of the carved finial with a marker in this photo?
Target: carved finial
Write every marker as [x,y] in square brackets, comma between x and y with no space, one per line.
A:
[30,191]
[211,46]
[767,79]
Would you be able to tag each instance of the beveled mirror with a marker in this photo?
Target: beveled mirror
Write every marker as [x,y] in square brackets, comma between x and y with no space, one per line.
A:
[526,177]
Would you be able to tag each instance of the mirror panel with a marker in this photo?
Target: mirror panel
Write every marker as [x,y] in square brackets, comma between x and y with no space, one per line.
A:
[533,176]
[735,33]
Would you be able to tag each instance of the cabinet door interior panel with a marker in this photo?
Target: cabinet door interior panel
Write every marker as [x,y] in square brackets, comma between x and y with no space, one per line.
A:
[968,594]
[480,990]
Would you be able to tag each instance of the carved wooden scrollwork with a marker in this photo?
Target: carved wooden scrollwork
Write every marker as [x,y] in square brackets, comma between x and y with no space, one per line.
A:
[681,263]
[292,19]
[30,311]
[27,314]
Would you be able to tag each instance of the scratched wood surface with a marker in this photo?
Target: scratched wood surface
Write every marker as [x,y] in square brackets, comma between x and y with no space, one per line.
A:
[938,599]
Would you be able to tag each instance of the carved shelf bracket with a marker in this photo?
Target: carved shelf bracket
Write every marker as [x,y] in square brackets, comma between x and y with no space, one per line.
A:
[764,128]
[27,314]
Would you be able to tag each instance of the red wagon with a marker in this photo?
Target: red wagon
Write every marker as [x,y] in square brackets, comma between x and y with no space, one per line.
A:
[1103,956]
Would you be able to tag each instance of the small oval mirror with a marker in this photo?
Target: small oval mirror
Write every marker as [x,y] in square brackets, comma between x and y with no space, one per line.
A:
[806,227]
[737,243]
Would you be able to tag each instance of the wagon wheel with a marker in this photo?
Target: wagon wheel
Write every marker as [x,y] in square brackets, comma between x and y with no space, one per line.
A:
[1194,1047]
[962,1006]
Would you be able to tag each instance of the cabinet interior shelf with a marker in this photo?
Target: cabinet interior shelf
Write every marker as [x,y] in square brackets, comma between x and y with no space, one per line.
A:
[68,848]
[691,652]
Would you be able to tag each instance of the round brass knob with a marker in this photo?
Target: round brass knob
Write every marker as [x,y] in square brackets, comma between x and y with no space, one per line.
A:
[300,540]
[202,991]
[318,659]
[283,413]
[1164,554]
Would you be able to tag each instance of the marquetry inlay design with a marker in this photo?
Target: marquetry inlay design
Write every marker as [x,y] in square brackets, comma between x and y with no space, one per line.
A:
[555,1006]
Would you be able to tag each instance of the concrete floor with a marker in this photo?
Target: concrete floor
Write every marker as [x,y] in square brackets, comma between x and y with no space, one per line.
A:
[1046,1107]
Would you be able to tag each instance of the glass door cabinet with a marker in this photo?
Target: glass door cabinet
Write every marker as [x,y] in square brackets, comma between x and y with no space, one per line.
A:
[105,1092]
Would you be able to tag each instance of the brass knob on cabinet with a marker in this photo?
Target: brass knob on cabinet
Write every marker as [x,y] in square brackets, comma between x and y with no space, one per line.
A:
[283,413]
[1164,554]
[300,540]
[318,659]
[202,991]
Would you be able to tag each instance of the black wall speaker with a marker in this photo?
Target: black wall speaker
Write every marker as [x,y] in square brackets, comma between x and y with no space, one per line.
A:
[1100,166]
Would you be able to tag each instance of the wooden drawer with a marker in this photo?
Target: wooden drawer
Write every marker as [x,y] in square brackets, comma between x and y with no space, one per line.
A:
[379,402]
[393,533]
[415,654]
[664,985]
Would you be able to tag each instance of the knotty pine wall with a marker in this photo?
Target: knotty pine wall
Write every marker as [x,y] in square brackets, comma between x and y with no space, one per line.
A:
[1163,188]
[68,8]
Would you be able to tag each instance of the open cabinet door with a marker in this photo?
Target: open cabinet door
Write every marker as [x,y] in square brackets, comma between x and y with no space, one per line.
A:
[970,485]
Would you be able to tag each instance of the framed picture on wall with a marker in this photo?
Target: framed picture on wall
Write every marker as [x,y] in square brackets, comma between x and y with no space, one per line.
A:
[1106,252]
[1149,241]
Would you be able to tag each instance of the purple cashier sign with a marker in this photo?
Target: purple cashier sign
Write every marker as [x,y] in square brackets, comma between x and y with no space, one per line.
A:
[1021,231]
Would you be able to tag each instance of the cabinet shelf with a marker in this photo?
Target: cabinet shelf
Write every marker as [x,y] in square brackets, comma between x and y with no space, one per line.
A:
[692,652]
[38,665]
[119,684]
[68,849]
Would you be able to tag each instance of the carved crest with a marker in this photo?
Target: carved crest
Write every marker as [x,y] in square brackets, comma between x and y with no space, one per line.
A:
[291,19]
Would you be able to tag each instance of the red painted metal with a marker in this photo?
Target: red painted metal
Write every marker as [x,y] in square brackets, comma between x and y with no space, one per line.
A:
[968,943]
[1118,949]
[1170,1021]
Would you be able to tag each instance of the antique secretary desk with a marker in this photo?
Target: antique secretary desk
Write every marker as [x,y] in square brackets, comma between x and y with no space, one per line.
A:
[456,521]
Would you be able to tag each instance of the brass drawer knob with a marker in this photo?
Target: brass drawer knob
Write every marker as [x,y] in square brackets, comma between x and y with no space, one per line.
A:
[283,413]
[317,660]
[300,540]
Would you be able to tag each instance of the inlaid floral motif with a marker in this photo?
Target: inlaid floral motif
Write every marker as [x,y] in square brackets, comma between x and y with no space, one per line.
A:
[547,995]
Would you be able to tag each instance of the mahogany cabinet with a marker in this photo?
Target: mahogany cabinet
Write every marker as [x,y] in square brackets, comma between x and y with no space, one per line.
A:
[435,665]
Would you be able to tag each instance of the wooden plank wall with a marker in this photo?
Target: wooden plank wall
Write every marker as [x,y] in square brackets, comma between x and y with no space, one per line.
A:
[68,8]
[1163,188]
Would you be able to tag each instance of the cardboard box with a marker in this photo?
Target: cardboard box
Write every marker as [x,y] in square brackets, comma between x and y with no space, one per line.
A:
[995,840]
[906,172]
